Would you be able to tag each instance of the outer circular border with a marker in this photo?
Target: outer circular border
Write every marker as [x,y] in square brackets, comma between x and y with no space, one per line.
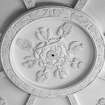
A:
[78,17]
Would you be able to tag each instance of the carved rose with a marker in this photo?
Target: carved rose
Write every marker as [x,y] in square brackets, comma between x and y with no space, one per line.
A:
[51,55]
[53,58]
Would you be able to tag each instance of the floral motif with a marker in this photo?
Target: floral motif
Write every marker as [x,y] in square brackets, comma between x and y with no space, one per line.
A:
[60,73]
[75,63]
[42,75]
[42,34]
[29,61]
[75,46]
[24,44]
[53,57]
[64,29]
[50,53]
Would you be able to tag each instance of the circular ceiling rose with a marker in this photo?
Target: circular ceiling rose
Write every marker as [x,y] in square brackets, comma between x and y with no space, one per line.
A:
[52,51]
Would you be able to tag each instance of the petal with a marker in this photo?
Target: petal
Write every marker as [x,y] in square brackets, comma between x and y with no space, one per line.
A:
[74,47]
[42,33]
[62,74]
[41,76]
[40,45]
[64,29]
[24,44]
[67,28]
[29,63]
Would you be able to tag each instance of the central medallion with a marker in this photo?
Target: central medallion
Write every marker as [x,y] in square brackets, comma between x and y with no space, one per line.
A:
[52,50]
[51,54]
